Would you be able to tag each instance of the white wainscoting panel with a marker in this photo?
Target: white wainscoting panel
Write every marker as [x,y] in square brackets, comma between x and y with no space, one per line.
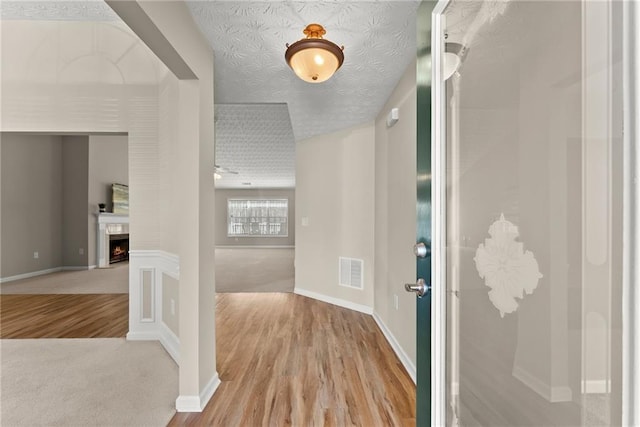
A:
[151,327]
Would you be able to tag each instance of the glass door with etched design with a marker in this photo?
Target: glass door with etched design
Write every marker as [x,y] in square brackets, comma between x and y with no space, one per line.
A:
[533,165]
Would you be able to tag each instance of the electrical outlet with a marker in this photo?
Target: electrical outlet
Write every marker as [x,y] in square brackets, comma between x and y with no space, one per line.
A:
[35,255]
[81,251]
[395,301]
[173,307]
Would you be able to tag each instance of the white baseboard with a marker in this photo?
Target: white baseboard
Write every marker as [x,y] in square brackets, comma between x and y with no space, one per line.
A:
[75,268]
[164,335]
[31,274]
[402,355]
[335,301]
[188,404]
[143,336]
[197,403]
[551,394]
[595,387]
[47,271]
[209,389]
[170,342]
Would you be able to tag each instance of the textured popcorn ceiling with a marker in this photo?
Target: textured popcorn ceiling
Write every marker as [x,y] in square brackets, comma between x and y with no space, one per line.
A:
[256,141]
[249,41]
[55,10]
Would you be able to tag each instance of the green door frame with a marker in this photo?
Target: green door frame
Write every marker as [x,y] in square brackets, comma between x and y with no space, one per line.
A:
[424,213]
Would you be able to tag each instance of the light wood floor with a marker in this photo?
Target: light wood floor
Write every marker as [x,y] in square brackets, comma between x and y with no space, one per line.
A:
[284,359]
[64,316]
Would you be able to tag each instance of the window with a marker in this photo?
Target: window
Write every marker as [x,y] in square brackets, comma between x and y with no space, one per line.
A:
[257,218]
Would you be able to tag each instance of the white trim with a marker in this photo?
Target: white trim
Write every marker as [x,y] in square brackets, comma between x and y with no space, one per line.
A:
[154,328]
[438,221]
[197,403]
[75,268]
[550,394]
[43,272]
[255,247]
[335,301]
[167,338]
[397,348]
[143,336]
[112,218]
[209,389]
[32,274]
[631,212]
[596,387]
[166,262]
[188,404]
[152,292]
[159,262]
[170,342]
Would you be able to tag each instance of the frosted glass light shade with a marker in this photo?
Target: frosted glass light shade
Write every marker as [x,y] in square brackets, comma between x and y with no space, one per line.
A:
[454,54]
[451,64]
[314,59]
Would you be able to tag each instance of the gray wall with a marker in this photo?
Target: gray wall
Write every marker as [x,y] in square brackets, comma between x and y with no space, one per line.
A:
[75,171]
[221,217]
[49,186]
[31,203]
[108,164]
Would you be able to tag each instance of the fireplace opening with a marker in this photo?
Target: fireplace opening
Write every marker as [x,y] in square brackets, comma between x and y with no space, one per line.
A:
[118,248]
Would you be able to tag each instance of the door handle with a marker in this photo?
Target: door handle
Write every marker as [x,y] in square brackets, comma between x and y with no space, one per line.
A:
[420,288]
[421,250]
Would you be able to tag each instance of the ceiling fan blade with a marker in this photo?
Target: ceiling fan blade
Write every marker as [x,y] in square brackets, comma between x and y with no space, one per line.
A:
[220,169]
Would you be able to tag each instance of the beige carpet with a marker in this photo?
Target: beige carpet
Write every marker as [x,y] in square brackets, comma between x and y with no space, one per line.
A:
[254,270]
[113,280]
[237,270]
[86,382]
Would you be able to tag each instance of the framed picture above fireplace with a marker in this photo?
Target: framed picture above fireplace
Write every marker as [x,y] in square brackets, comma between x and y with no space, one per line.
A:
[120,198]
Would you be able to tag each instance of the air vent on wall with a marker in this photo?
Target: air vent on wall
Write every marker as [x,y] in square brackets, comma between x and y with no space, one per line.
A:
[350,272]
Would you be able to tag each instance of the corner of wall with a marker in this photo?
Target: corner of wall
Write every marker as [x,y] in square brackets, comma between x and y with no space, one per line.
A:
[338,213]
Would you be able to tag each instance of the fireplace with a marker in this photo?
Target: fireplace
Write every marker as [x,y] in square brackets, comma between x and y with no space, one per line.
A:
[118,248]
[111,229]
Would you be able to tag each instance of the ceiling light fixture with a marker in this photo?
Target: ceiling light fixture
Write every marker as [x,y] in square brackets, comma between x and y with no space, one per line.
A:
[313,58]
[454,54]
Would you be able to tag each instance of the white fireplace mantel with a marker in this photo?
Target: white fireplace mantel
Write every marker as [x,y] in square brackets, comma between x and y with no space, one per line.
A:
[109,223]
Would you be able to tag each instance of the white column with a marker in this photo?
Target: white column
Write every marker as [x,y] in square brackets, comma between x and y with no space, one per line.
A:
[170,32]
